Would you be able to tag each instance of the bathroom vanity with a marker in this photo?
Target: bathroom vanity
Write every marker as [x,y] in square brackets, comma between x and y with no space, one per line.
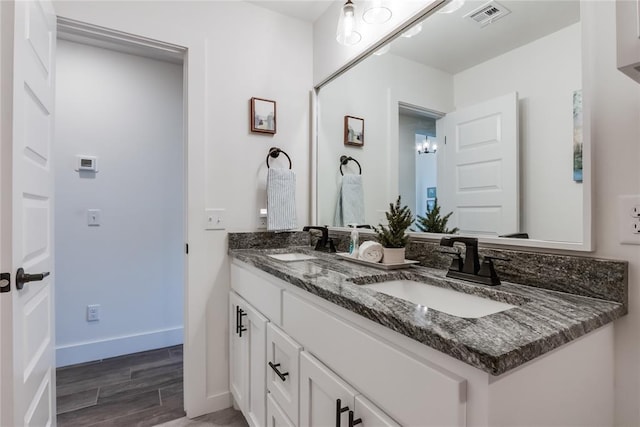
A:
[312,344]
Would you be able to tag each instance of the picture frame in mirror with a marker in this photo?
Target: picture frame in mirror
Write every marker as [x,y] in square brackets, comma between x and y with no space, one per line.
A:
[353,131]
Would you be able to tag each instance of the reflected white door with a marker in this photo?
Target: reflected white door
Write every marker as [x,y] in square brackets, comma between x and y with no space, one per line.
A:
[28,342]
[478,170]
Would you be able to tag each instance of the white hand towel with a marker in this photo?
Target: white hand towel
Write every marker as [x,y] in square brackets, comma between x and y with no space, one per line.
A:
[370,251]
[350,206]
[281,199]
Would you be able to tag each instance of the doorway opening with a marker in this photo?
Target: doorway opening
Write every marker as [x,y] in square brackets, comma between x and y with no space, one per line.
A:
[418,157]
[120,226]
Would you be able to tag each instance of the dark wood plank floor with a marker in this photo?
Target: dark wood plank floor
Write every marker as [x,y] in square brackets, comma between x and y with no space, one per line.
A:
[141,389]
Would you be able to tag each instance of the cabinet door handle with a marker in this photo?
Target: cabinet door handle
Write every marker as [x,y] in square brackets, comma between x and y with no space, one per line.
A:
[339,410]
[237,319]
[241,328]
[282,375]
[353,422]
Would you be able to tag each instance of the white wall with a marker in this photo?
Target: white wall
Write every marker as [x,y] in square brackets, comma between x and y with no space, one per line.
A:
[236,51]
[545,73]
[127,111]
[372,90]
[616,155]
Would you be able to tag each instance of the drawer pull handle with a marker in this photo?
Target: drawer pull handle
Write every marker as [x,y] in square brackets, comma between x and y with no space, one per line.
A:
[339,410]
[241,328]
[353,422]
[282,375]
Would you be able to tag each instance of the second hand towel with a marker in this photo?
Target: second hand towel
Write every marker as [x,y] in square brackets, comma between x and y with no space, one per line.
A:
[281,199]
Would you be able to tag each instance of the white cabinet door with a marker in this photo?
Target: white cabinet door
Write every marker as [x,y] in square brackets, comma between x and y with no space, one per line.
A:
[283,370]
[370,415]
[275,415]
[248,360]
[238,355]
[325,399]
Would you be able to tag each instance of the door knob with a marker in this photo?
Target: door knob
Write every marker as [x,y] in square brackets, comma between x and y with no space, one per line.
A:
[22,277]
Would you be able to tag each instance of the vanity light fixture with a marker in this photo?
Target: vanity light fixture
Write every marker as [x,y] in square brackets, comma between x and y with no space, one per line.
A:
[347,32]
[427,147]
[376,12]
[413,31]
[452,6]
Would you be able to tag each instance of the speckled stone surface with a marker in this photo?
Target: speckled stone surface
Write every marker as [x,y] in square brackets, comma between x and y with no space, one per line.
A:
[541,321]
[268,240]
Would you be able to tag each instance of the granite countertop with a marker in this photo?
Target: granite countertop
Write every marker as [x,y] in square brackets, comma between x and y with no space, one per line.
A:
[541,321]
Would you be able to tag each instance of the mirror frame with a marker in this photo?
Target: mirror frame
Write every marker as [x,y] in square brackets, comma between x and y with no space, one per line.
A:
[588,242]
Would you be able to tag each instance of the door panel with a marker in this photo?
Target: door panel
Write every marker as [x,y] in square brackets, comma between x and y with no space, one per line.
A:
[319,390]
[371,415]
[32,195]
[478,170]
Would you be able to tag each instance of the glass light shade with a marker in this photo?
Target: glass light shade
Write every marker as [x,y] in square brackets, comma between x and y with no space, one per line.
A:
[452,6]
[415,30]
[347,32]
[384,49]
[376,13]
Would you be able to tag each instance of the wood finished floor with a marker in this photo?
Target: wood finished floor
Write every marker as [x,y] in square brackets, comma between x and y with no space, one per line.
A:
[141,389]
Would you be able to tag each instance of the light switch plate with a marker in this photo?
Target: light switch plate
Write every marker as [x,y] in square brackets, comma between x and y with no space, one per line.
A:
[214,219]
[93,217]
[628,220]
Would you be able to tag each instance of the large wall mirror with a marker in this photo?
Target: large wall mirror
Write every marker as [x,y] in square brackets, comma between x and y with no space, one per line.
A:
[479,112]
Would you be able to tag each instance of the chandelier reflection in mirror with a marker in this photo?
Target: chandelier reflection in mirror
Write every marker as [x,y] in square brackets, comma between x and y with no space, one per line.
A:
[427,147]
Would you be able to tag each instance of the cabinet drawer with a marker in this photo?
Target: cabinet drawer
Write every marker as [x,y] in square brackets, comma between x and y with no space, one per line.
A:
[257,291]
[275,415]
[409,390]
[283,357]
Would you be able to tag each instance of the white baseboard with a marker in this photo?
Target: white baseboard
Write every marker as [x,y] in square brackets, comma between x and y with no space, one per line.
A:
[96,350]
[213,403]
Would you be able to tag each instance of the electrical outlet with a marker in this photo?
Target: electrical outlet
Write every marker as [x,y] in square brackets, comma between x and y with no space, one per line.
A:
[214,219]
[93,313]
[629,220]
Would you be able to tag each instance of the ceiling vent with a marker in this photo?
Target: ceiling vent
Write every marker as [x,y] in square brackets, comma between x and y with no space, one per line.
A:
[488,13]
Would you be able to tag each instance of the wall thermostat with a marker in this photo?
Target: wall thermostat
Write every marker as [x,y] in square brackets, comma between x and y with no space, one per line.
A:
[87,163]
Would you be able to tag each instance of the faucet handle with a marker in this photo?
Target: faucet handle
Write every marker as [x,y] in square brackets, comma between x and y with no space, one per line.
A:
[487,269]
[332,246]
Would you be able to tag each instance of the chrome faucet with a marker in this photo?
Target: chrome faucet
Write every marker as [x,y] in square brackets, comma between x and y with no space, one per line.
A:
[321,244]
[471,269]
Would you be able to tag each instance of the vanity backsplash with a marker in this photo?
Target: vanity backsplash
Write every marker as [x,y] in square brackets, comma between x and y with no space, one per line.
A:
[585,276]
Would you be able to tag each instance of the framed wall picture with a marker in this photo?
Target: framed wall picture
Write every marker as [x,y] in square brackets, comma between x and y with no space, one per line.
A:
[353,131]
[263,115]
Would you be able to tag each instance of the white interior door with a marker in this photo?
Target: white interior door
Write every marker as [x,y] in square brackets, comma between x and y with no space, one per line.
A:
[478,170]
[30,309]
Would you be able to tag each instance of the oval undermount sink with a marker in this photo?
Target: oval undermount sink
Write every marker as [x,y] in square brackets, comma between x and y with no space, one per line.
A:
[448,301]
[294,256]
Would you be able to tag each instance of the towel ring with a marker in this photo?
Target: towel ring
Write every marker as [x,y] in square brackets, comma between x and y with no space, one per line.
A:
[344,160]
[275,152]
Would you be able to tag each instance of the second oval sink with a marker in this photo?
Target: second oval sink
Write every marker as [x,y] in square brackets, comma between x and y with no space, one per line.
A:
[448,301]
